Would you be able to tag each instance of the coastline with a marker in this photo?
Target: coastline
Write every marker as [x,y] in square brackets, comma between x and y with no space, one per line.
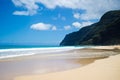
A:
[37,65]
[32,52]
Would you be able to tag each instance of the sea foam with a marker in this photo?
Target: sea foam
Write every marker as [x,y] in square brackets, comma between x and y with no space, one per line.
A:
[10,53]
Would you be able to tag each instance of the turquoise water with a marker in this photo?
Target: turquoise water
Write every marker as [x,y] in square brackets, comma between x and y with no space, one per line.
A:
[9,51]
[25,46]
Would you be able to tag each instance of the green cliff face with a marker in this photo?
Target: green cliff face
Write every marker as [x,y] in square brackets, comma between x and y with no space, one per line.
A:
[104,32]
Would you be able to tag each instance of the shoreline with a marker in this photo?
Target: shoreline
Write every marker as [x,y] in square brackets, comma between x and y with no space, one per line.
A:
[32,51]
[63,49]
[52,63]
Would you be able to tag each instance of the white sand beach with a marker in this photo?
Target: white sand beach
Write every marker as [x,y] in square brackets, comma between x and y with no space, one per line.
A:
[105,69]
[77,64]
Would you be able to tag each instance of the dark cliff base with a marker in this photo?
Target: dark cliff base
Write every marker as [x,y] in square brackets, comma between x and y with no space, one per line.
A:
[104,32]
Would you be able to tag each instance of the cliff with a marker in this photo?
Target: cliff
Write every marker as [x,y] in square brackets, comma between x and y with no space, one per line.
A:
[104,32]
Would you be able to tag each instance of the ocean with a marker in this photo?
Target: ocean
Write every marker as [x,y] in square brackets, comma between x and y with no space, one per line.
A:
[50,52]
[10,51]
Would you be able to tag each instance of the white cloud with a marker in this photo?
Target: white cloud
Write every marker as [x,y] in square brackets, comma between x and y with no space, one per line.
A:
[87,23]
[21,13]
[82,24]
[54,28]
[42,26]
[76,24]
[30,7]
[67,27]
[93,9]
[76,15]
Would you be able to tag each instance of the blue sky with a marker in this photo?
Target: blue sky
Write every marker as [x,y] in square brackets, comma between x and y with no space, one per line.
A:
[48,21]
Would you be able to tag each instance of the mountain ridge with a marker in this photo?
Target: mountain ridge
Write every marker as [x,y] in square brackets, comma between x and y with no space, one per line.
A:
[104,32]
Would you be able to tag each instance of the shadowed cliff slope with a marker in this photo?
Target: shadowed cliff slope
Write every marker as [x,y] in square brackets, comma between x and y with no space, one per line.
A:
[104,32]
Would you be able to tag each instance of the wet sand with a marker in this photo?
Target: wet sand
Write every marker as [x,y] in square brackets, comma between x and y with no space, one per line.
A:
[105,69]
[30,67]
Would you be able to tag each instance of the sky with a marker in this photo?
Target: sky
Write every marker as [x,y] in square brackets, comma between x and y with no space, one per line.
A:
[46,22]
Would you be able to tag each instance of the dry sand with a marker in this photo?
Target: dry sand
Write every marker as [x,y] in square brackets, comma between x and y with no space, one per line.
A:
[107,47]
[105,69]
[30,67]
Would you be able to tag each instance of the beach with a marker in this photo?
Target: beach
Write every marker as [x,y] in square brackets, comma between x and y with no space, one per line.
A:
[105,69]
[71,64]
